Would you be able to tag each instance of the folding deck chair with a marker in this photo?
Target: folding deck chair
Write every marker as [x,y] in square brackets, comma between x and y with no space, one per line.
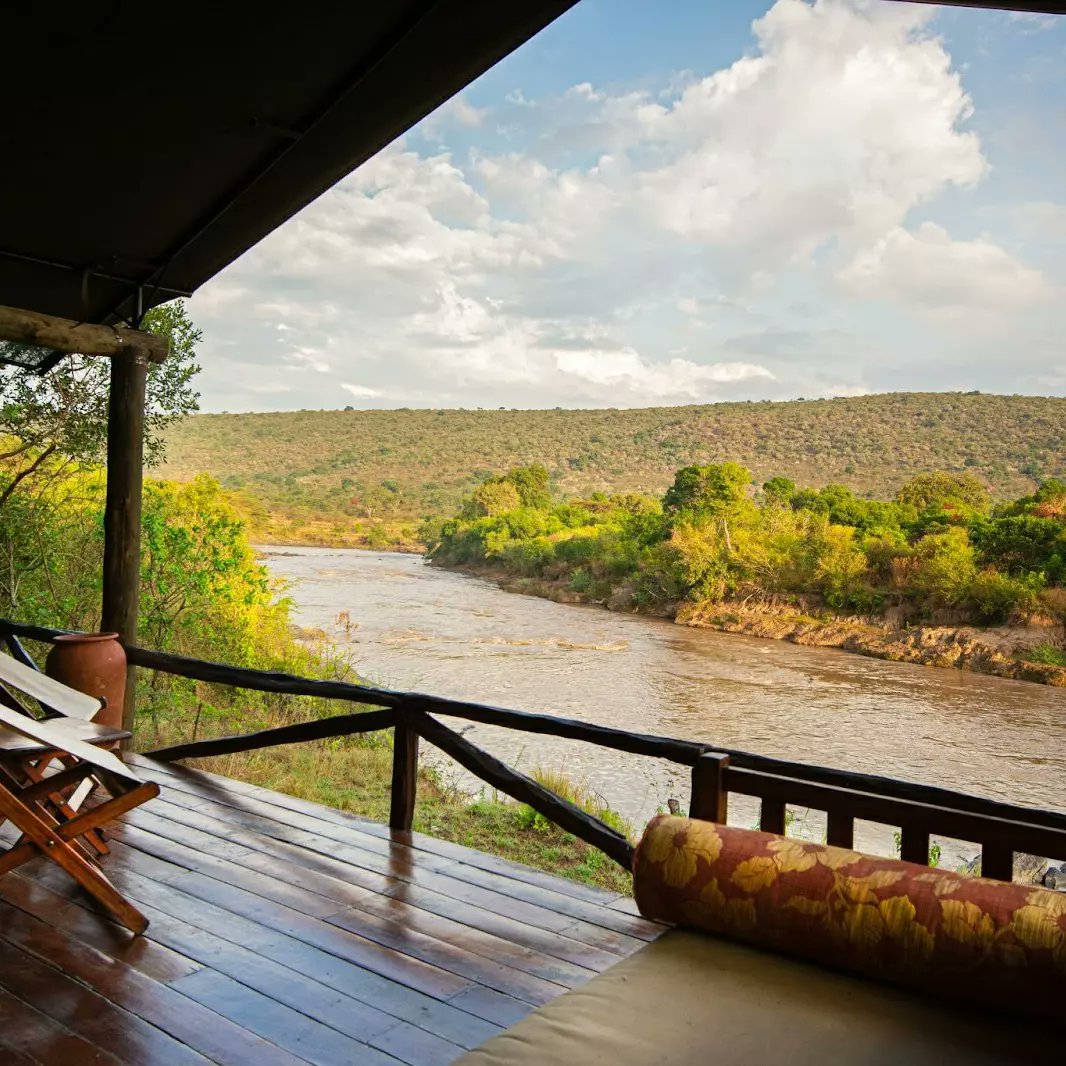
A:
[48,769]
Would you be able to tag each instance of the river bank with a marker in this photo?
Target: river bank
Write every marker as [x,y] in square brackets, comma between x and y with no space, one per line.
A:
[1000,651]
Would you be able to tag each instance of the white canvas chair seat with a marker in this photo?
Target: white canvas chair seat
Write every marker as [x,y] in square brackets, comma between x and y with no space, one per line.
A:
[45,805]
[50,693]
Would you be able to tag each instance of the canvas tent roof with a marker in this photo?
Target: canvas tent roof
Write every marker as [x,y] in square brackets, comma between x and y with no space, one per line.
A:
[149,145]
[153,144]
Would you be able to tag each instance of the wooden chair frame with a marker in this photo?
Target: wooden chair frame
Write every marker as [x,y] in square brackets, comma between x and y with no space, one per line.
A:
[45,807]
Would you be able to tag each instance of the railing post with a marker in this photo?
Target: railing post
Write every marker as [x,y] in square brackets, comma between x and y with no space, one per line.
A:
[710,797]
[404,777]
[914,845]
[997,861]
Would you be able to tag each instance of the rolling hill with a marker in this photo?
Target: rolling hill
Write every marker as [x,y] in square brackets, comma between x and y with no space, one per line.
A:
[330,476]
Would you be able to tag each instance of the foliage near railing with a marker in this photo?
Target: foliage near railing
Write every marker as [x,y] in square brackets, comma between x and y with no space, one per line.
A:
[920,810]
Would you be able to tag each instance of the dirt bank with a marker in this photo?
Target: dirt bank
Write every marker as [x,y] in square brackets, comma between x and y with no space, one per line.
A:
[1000,650]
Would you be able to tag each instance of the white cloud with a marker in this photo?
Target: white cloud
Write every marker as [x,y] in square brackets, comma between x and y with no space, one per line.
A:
[929,270]
[630,235]
[309,357]
[675,379]
[847,118]
[361,391]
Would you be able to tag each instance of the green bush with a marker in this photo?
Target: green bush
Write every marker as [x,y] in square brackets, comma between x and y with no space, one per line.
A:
[708,541]
[580,581]
[1047,655]
[997,596]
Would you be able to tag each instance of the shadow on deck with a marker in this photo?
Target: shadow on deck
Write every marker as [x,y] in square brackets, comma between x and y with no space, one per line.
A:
[283,932]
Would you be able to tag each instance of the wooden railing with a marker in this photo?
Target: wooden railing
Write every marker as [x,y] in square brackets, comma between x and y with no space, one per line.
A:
[919,811]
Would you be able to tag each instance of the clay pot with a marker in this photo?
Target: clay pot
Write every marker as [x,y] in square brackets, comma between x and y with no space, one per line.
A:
[93,663]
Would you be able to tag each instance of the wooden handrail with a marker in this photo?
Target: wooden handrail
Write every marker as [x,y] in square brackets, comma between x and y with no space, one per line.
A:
[919,818]
[1000,828]
[340,725]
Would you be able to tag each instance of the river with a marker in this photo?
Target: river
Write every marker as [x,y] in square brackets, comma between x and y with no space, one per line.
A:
[413,626]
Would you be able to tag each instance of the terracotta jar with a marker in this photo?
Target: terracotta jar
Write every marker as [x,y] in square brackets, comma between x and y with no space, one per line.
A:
[93,663]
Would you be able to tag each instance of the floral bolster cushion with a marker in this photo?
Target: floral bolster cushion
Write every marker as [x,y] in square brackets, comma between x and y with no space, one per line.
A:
[981,941]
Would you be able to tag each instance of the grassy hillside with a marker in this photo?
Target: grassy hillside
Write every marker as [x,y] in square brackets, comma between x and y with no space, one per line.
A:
[339,475]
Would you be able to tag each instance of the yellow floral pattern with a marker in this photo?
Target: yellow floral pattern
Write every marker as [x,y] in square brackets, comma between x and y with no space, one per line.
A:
[985,940]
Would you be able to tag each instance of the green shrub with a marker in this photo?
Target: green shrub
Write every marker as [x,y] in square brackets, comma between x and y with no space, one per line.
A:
[580,581]
[996,596]
[1047,655]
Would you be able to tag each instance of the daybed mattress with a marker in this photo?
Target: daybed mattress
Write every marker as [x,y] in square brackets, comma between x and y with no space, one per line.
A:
[689,998]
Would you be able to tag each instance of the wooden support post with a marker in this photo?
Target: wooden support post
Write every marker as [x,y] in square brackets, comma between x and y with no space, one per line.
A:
[122,509]
[710,797]
[404,778]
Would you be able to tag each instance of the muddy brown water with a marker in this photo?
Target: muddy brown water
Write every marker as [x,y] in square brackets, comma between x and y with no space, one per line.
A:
[416,627]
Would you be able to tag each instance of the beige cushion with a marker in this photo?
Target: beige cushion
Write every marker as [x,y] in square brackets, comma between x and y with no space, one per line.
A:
[689,998]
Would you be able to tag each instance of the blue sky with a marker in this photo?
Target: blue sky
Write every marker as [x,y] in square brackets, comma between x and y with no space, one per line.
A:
[659,204]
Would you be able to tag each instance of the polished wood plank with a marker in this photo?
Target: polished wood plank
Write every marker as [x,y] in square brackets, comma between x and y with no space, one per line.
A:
[361,866]
[413,972]
[287,883]
[89,1014]
[394,859]
[462,961]
[215,1038]
[457,1026]
[29,1037]
[230,873]
[28,894]
[330,877]
[308,1040]
[496,1006]
[591,913]
[285,935]
[365,985]
[221,787]
[403,1039]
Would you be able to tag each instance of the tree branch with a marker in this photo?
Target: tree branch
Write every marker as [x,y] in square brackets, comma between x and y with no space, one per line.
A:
[23,474]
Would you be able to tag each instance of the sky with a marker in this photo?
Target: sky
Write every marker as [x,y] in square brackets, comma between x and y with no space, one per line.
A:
[653,204]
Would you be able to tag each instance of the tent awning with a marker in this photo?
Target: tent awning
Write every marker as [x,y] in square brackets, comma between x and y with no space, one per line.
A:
[148,146]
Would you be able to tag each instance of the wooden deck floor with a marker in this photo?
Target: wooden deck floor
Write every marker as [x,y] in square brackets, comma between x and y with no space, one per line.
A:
[285,932]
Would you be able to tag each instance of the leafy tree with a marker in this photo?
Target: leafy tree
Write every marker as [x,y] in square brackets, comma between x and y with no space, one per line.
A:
[779,490]
[707,491]
[532,483]
[710,541]
[1050,499]
[493,498]
[945,567]
[940,491]
[840,564]
[997,596]
[63,413]
[1022,543]
[199,576]
[871,444]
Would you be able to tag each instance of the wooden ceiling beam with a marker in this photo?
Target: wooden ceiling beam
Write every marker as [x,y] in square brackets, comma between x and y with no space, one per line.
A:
[78,338]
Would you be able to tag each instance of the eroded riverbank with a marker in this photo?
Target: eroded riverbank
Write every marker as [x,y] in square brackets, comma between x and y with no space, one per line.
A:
[1000,651]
